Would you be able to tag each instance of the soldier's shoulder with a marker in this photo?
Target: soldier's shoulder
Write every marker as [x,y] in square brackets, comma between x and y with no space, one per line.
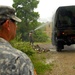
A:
[15,60]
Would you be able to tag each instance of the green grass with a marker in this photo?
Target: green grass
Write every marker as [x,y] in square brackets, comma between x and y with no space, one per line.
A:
[40,65]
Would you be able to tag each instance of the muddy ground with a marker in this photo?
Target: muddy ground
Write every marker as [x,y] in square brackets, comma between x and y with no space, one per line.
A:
[64,62]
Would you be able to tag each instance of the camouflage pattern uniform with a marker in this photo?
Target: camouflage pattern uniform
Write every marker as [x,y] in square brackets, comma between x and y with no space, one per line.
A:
[13,61]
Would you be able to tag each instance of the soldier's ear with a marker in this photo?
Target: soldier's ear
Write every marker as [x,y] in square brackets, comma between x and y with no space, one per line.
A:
[6,24]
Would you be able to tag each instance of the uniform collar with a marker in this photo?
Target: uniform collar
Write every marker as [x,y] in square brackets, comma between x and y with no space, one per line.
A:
[2,40]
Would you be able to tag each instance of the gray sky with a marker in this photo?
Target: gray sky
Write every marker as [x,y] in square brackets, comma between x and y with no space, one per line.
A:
[46,8]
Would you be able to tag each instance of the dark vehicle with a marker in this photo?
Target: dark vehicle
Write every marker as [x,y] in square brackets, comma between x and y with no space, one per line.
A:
[63,32]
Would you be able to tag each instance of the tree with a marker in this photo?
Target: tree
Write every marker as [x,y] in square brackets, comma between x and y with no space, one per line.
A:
[25,11]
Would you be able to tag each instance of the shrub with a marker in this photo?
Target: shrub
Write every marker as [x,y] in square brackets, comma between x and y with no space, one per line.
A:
[40,38]
[24,47]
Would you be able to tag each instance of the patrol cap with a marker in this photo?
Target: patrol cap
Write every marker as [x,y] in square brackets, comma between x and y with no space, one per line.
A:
[7,12]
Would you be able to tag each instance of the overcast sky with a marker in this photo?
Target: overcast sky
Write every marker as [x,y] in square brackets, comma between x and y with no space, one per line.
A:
[46,8]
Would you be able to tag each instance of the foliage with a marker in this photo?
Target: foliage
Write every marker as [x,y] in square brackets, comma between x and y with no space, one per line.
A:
[23,46]
[25,11]
[40,36]
[40,66]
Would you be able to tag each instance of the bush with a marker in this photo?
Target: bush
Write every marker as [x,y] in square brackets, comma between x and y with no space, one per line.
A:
[24,47]
[39,36]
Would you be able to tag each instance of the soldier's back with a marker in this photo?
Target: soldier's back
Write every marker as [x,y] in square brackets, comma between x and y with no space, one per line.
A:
[13,61]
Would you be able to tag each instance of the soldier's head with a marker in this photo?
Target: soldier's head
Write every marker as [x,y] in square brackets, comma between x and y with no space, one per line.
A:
[7,22]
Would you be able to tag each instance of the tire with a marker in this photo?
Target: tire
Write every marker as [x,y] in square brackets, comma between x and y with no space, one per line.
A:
[59,47]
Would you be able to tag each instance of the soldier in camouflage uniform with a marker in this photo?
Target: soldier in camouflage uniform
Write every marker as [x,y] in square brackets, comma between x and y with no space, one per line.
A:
[12,61]
[31,38]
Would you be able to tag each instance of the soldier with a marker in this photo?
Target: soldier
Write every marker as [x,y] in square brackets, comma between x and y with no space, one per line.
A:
[12,61]
[31,38]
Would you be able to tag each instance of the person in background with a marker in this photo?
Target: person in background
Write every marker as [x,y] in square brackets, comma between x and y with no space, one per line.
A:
[31,38]
[12,61]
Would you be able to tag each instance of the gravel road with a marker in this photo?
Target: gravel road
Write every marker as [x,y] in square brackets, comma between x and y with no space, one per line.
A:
[64,62]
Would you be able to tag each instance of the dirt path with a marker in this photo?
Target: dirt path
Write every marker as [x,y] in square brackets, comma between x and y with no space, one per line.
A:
[64,62]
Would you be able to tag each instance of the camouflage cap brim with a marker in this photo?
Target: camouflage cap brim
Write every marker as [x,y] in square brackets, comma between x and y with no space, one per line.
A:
[16,18]
[7,12]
